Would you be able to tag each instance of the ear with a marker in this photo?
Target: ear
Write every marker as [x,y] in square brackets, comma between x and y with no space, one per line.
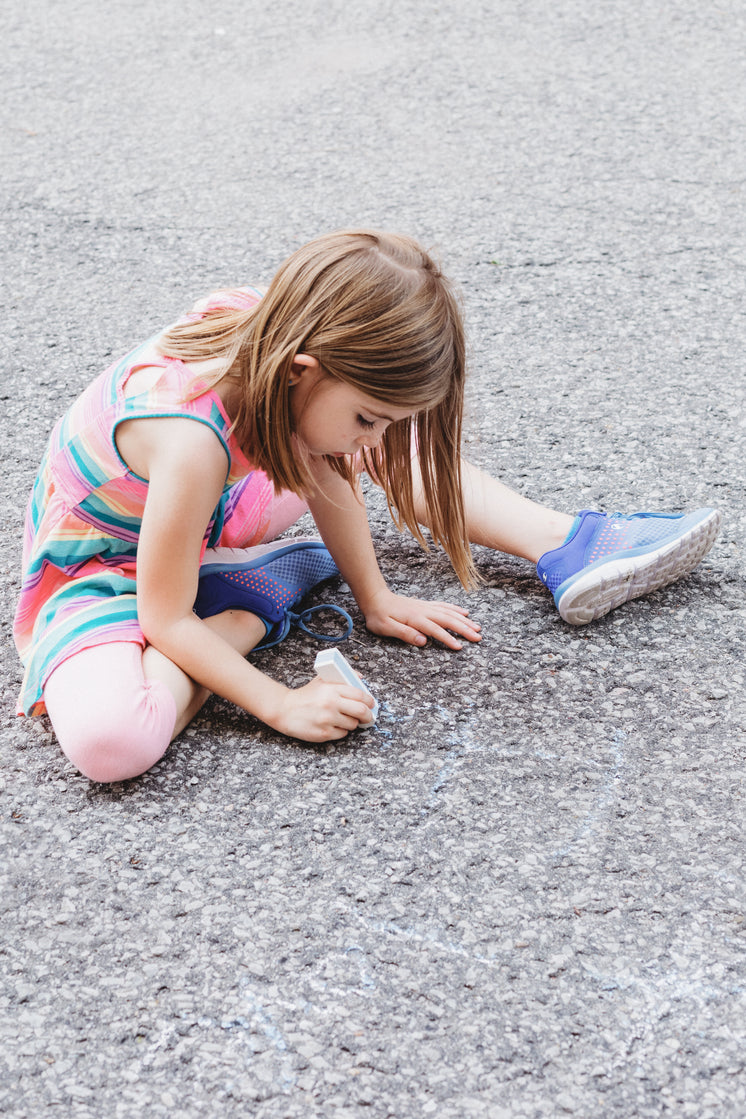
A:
[304,368]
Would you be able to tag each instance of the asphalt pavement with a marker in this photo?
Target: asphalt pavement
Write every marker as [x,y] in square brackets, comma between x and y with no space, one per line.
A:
[522,894]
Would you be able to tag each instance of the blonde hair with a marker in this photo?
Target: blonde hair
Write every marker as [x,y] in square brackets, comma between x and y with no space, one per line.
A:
[377,313]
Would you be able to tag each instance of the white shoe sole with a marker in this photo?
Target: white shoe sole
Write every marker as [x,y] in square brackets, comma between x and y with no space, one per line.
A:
[609,583]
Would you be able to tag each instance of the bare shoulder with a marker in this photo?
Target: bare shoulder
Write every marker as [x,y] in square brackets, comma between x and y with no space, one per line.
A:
[171,442]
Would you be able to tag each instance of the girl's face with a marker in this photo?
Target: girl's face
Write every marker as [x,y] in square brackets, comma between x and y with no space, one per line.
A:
[333,418]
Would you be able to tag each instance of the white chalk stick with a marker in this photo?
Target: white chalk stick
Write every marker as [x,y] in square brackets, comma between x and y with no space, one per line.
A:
[331,666]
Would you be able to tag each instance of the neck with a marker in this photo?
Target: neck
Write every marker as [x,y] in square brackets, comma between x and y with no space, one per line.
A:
[228,391]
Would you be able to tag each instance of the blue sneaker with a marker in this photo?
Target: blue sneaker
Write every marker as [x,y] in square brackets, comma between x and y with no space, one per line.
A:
[610,558]
[267,581]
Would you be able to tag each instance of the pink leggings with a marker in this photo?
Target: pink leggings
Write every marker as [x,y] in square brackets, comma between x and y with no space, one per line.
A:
[113,723]
[110,721]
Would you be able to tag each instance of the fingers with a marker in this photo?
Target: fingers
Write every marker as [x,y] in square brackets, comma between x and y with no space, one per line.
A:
[402,632]
[320,711]
[445,637]
[419,621]
[359,710]
[345,708]
[459,623]
[419,635]
[454,618]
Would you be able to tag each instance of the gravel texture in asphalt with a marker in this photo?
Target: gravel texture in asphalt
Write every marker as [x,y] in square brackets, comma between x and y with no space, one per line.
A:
[522,894]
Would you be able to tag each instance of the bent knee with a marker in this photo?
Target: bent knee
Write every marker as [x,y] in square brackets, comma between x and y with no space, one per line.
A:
[117,726]
[115,753]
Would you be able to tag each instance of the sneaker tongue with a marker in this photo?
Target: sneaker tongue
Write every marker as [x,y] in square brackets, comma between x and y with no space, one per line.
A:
[573,529]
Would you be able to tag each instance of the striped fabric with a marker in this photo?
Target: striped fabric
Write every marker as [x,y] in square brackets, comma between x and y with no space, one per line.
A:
[84,514]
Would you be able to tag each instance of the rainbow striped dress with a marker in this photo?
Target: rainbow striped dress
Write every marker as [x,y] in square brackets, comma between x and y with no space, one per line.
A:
[85,510]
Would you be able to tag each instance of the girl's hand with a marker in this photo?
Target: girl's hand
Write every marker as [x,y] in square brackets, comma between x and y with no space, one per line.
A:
[320,711]
[414,620]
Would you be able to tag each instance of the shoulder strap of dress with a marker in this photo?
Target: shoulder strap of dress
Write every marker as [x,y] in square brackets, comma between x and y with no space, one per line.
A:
[228,299]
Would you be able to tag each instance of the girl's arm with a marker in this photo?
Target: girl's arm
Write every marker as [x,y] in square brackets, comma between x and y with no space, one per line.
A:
[339,512]
[186,468]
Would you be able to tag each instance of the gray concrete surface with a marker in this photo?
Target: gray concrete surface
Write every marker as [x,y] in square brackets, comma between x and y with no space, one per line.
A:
[523,895]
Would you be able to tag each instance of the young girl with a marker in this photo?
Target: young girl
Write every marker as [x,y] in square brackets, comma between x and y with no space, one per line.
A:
[148,576]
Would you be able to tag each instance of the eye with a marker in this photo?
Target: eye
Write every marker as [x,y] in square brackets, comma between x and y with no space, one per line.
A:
[367,424]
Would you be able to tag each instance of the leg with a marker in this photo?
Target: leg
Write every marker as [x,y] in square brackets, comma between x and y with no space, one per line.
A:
[254,514]
[500,518]
[269,579]
[110,721]
[284,572]
[239,628]
[286,509]
[591,563]
[116,707]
